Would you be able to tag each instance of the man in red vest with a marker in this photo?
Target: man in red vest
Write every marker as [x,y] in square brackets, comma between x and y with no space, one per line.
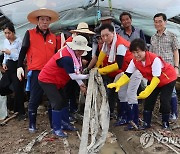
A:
[39,45]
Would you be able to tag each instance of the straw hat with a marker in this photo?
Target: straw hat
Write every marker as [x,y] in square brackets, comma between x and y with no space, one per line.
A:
[32,17]
[82,28]
[79,43]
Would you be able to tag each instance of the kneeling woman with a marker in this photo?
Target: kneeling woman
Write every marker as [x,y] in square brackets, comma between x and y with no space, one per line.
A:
[61,68]
[160,75]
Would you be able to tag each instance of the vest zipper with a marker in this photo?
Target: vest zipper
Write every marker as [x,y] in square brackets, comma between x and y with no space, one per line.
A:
[165,75]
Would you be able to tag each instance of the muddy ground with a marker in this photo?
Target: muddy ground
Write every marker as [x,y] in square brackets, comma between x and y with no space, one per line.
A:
[15,138]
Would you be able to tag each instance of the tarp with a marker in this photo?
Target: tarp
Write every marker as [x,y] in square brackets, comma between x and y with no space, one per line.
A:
[72,12]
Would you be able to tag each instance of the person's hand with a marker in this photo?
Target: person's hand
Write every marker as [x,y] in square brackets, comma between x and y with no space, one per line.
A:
[83,89]
[20,73]
[85,71]
[5,67]
[6,51]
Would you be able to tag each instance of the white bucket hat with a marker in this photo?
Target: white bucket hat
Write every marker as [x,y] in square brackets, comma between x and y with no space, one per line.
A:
[79,43]
[32,17]
[82,28]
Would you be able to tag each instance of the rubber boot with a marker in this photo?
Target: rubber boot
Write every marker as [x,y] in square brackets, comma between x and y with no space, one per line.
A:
[57,123]
[66,125]
[32,121]
[132,117]
[50,117]
[122,116]
[174,112]
[165,121]
[147,115]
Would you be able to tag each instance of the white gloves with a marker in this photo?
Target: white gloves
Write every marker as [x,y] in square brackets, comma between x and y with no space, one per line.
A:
[20,73]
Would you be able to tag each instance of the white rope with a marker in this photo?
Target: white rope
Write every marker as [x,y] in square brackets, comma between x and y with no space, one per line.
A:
[96,116]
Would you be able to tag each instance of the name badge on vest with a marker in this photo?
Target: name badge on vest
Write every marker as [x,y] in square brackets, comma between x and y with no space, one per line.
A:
[50,41]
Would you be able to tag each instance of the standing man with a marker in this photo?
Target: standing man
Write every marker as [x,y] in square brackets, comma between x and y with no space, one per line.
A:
[113,58]
[128,31]
[165,44]
[106,18]
[39,45]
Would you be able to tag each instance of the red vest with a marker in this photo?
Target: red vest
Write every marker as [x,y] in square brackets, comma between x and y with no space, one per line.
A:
[127,58]
[40,51]
[69,39]
[52,73]
[168,73]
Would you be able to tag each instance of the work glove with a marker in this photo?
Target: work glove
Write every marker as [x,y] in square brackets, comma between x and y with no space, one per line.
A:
[101,57]
[20,73]
[149,89]
[124,79]
[108,69]
[85,70]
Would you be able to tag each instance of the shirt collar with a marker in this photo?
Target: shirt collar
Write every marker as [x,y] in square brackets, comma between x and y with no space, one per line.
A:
[164,33]
[40,31]
[133,29]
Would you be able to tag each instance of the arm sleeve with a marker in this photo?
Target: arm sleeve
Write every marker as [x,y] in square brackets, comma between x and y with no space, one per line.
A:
[157,67]
[66,63]
[24,49]
[121,51]
[119,60]
[131,67]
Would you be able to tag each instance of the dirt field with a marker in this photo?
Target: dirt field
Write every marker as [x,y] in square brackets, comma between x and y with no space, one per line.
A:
[15,138]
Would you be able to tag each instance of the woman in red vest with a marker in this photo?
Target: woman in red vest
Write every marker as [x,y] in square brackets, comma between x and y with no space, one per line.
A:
[160,75]
[54,77]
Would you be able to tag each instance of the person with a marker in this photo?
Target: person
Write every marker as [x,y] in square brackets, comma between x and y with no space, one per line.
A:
[160,75]
[40,45]
[128,31]
[63,67]
[106,18]
[83,30]
[3,99]
[11,49]
[165,44]
[113,58]
[127,94]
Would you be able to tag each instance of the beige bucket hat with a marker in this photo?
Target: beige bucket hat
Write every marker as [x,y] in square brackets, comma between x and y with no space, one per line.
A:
[79,43]
[32,17]
[82,28]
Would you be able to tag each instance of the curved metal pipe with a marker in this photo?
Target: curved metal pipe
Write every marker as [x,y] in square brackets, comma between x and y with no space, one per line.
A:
[89,5]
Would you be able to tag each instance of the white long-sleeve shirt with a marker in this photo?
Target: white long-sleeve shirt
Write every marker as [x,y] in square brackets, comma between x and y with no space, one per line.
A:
[14,47]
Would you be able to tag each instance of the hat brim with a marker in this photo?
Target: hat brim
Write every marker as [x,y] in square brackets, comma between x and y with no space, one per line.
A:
[32,17]
[106,18]
[78,47]
[82,31]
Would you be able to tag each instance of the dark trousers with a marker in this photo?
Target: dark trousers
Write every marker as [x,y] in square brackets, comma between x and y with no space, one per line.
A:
[56,97]
[17,86]
[165,98]
[111,94]
[71,91]
[36,92]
